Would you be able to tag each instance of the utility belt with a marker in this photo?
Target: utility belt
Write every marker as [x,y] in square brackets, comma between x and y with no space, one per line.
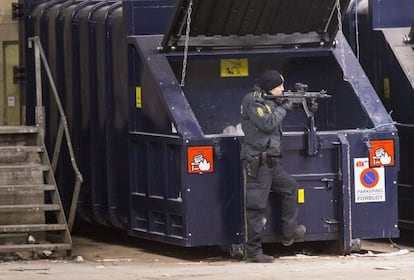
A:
[269,160]
[252,166]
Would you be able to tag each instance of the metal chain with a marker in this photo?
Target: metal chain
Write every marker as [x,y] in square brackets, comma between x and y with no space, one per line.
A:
[356,30]
[186,42]
[339,14]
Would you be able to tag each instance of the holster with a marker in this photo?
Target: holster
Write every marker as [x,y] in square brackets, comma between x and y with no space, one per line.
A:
[252,166]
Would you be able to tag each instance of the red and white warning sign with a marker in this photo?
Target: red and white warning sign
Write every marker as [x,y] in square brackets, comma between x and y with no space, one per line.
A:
[369,182]
[382,153]
[200,159]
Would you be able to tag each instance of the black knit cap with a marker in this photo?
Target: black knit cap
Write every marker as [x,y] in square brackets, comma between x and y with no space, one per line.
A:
[270,79]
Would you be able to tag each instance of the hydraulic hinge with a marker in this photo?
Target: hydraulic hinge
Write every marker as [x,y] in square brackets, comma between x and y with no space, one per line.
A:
[409,38]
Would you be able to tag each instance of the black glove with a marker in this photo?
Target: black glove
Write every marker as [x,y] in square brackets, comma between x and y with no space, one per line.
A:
[287,105]
[313,106]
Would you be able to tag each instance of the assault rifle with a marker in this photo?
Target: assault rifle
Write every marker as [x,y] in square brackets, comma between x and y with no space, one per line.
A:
[302,97]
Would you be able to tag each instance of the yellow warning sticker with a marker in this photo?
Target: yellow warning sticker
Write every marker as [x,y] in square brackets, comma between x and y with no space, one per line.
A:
[138,101]
[301,195]
[234,68]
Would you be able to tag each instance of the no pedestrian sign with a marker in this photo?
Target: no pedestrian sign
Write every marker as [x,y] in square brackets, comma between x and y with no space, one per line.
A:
[369,182]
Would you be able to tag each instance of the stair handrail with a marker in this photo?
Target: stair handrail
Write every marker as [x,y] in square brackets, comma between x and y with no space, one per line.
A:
[63,125]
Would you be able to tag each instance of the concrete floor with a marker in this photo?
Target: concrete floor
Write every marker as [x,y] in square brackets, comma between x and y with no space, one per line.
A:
[112,255]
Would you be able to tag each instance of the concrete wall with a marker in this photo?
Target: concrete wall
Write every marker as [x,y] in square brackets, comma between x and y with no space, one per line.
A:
[10,107]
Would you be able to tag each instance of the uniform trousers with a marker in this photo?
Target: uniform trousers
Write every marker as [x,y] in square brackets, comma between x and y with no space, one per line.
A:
[274,179]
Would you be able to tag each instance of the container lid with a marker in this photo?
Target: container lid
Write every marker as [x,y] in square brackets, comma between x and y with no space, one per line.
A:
[253,23]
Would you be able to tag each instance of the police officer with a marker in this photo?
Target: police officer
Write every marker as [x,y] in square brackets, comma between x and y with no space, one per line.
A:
[261,121]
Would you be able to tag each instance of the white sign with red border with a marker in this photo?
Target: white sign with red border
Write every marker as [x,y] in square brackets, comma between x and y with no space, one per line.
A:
[369,182]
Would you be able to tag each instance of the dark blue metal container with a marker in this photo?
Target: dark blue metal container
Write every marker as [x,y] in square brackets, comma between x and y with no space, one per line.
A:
[90,205]
[172,126]
[111,171]
[85,42]
[48,23]
[387,56]
[160,153]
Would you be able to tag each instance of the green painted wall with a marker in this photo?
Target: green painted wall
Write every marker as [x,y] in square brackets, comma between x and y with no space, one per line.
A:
[10,106]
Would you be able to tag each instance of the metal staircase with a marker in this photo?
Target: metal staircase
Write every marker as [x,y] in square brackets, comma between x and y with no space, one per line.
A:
[31,213]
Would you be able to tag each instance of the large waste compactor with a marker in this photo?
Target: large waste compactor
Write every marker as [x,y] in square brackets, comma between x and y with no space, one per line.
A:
[185,89]
[85,44]
[157,111]
[386,50]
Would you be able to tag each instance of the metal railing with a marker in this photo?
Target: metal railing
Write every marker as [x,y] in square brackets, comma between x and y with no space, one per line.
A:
[63,125]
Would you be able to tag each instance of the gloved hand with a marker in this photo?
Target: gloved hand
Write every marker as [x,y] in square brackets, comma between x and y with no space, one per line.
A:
[313,106]
[287,105]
